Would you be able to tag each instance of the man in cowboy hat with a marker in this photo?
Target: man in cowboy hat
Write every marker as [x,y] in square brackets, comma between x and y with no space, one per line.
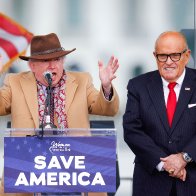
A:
[24,94]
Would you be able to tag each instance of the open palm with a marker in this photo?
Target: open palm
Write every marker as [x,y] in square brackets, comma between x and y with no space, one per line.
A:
[107,74]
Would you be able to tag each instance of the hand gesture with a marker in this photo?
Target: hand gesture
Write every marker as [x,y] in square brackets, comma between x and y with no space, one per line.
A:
[107,74]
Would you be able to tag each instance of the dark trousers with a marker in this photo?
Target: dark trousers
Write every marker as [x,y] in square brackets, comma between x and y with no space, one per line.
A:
[173,190]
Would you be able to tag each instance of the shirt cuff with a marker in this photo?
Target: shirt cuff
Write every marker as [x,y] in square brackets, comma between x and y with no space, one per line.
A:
[160,166]
[107,95]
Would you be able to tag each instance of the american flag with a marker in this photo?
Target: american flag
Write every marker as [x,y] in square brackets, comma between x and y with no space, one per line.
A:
[14,40]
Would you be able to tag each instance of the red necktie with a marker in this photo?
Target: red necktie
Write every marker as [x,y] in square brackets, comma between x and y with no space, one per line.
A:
[171,102]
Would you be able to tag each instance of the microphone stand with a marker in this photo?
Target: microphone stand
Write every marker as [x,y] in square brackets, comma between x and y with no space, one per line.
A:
[47,113]
[48,124]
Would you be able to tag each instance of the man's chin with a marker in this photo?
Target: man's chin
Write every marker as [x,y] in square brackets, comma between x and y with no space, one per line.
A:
[170,78]
[54,83]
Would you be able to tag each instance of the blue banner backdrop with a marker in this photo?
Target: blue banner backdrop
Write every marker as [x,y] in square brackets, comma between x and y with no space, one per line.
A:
[60,164]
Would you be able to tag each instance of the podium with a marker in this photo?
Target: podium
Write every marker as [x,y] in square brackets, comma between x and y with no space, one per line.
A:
[59,160]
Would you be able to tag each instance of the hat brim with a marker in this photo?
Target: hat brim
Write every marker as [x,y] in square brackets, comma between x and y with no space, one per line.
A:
[47,56]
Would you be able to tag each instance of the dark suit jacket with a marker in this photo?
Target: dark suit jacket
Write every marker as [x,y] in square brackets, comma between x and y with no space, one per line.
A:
[147,133]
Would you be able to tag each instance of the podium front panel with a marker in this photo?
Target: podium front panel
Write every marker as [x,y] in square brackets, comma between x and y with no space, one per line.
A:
[60,162]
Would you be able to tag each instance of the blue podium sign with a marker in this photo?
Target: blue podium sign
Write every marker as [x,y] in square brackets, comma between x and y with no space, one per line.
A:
[60,164]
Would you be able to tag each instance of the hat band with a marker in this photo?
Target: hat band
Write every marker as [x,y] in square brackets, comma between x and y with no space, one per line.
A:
[48,51]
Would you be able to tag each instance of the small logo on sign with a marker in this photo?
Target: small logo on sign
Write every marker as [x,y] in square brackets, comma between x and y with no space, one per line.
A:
[59,147]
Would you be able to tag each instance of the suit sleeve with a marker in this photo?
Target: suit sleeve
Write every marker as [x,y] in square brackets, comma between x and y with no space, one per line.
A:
[142,145]
[190,148]
[98,104]
[5,97]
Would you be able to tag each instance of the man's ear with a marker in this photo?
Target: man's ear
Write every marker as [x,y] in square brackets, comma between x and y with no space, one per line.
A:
[188,53]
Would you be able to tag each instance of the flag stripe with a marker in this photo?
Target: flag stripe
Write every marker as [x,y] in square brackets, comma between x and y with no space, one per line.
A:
[8,47]
[14,40]
[5,58]
[19,42]
[13,27]
[8,25]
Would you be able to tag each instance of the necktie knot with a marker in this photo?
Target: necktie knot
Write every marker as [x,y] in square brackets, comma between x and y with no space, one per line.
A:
[171,85]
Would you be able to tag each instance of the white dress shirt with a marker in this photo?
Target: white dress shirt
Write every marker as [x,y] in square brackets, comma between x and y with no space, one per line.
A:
[177,89]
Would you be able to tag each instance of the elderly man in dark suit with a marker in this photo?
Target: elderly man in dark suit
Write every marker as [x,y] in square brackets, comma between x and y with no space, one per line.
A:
[160,122]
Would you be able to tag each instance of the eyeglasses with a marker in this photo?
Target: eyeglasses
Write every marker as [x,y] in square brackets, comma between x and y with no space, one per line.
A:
[174,56]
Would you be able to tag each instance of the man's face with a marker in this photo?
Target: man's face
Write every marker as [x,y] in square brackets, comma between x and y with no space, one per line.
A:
[173,45]
[55,66]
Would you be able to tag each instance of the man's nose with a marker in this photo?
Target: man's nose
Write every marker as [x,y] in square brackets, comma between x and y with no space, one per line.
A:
[51,64]
[169,61]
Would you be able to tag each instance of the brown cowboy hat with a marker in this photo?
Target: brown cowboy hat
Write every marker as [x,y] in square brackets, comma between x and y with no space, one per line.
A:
[46,47]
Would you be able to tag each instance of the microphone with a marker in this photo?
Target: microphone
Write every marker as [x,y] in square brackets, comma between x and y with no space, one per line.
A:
[48,76]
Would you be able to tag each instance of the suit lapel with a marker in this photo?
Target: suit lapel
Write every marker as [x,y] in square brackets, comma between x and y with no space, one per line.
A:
[29,87]
[155,89]
[187,89]
[71,86]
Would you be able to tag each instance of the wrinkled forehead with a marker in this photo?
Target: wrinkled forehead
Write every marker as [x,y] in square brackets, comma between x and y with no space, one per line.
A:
[170,43]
